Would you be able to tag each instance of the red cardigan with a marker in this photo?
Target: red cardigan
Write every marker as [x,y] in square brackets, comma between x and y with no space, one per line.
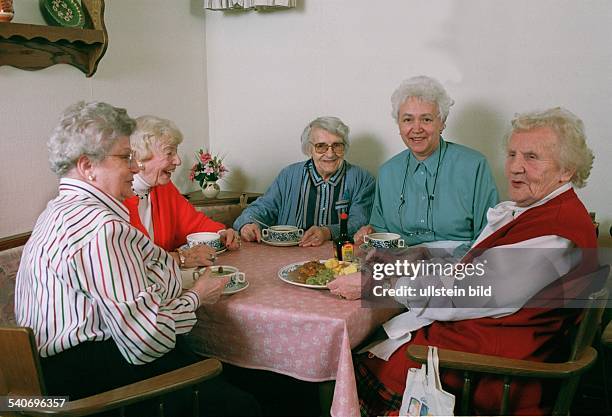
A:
[173,217]
[530,334]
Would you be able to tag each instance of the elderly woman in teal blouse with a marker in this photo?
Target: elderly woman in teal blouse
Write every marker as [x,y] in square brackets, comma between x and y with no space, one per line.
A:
[308,194]
[436,190]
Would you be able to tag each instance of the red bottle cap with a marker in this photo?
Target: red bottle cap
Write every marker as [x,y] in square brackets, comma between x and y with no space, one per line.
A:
[344,216]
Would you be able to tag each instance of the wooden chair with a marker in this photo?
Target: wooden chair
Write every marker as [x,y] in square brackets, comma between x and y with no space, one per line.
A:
[606,346]
[20,375]
[581,358]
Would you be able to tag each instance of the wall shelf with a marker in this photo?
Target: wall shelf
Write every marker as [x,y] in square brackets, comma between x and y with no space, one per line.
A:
[34,47]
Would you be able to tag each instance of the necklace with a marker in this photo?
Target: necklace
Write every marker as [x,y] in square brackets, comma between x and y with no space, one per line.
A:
[142,196]
[430,198]
[140,187]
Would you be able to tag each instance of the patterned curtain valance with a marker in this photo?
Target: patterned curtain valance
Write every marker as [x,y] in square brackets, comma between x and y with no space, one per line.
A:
[247,4]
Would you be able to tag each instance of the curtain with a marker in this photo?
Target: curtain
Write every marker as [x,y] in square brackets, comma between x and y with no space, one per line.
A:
[247,4]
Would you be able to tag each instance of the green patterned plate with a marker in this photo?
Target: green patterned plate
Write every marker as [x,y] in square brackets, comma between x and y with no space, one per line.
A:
[67,13]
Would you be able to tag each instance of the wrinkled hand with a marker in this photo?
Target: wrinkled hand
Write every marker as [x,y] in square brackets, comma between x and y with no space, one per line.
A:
[251,232]
[347,286]
[231,239]
[315,236]
[209,289]
[199,255]
[364,230]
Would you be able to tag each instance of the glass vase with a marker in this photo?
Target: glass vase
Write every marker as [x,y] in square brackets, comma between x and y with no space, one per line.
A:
[6,10]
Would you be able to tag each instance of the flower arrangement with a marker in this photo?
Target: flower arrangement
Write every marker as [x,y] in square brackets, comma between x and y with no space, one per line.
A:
[207,168]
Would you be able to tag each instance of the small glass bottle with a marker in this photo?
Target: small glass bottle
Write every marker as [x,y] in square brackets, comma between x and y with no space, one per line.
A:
[343,243]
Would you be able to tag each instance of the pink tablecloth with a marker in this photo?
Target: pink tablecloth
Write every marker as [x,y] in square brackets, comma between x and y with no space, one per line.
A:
[305,333]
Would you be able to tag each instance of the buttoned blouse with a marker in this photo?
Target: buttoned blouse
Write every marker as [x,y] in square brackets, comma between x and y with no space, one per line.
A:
[87,275]
[442,198]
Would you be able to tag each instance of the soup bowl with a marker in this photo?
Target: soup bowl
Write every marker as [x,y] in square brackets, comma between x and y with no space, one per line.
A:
[282,233]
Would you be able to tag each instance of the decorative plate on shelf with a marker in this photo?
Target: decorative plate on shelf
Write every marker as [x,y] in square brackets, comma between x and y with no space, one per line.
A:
[67,13]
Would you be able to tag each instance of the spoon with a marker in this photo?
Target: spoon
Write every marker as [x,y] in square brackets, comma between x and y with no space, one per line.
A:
[260,222]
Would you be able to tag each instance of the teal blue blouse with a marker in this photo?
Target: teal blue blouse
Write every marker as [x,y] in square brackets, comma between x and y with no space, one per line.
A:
[444,197]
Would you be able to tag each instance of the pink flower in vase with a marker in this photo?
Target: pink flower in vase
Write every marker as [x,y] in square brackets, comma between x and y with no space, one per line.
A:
[205,157]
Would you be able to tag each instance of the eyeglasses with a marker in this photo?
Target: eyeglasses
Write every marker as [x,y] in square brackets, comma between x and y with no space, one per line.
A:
[129,158]
[337,147]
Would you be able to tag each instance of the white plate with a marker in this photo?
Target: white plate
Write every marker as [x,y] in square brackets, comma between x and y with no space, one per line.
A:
[272,243]
[236,288]
[365,247]
[187,278]
[283,274]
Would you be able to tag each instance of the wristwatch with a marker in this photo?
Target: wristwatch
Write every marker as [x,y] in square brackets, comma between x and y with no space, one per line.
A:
[181,256]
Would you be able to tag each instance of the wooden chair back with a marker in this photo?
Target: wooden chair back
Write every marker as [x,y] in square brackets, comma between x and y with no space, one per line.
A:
[20,375]
[591,319]
[582,357]
[19,364]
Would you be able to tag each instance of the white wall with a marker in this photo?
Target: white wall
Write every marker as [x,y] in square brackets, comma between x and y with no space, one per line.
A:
[271,73]
[154,65]
[267,74]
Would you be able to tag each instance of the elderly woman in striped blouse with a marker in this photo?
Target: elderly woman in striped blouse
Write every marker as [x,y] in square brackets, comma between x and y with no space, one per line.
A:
[94,289]
[308,194]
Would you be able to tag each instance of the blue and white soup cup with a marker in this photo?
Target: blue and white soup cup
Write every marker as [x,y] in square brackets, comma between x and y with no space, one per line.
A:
[237,278]
[282,233]
[384,240]
[205,238]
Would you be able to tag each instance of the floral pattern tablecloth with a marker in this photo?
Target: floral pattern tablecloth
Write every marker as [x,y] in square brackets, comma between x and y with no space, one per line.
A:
[272,325]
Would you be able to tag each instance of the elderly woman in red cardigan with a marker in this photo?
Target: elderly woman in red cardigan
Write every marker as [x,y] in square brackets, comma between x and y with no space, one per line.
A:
[530,244]
[158,209]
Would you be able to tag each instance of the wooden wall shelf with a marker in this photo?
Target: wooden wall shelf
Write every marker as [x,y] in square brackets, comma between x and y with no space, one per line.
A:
[34,47]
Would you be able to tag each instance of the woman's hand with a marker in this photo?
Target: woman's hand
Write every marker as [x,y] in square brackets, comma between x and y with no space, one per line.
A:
[251,233]
[231,239]
[364,230]
[347,286]
[315,236]
[209,289]
[199,255]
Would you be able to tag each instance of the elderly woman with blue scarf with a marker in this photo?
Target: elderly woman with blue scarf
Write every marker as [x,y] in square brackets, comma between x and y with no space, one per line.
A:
[309,194]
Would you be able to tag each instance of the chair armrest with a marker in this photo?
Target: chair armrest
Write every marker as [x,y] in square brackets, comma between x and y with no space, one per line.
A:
[136,392]
[474,362]
[606,337]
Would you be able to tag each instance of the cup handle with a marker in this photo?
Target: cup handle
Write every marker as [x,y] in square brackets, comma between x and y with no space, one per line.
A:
[366,239]
[400,243]
[240,277]
[197,272]
[265,232]
[300,232]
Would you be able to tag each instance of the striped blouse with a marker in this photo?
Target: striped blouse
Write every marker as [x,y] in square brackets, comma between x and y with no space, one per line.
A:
[319,198]
[87,275]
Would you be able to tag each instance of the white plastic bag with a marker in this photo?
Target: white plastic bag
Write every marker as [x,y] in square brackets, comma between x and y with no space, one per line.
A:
[424,395]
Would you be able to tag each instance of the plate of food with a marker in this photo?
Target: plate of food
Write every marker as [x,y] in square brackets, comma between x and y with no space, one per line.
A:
[317,273]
